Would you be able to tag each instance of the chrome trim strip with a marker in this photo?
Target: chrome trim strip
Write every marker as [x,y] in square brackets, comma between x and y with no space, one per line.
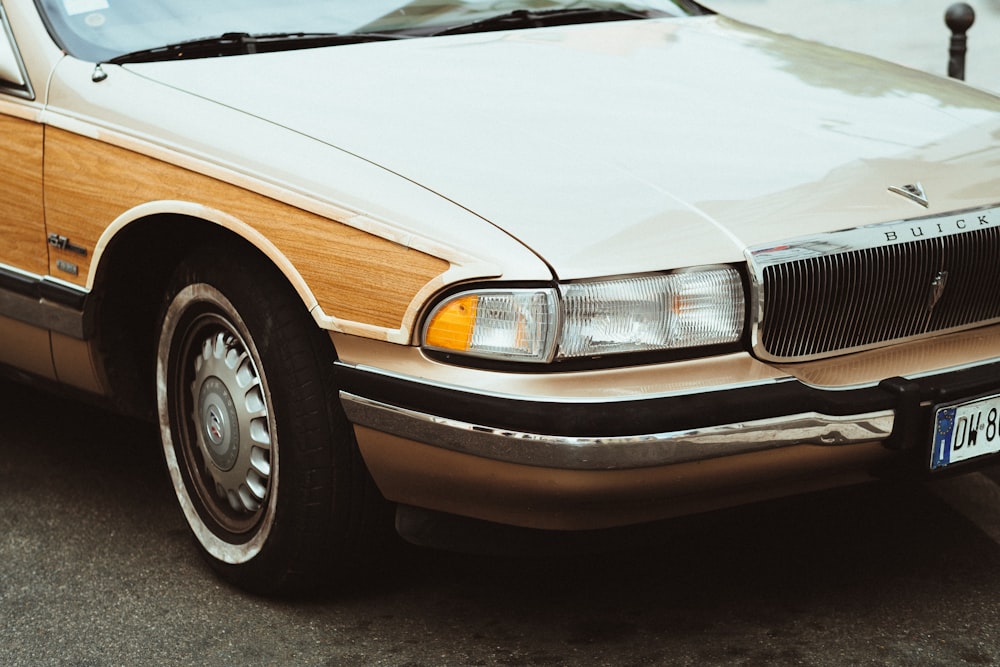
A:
[70,287]
[7,268]
[23,90]
[876,235]
[39,311]
[622,452]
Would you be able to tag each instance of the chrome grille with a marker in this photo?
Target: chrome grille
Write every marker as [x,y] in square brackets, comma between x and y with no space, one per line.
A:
[833,302]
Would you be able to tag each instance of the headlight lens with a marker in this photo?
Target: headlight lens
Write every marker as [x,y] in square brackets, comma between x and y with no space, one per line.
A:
[661,312]
[647,313]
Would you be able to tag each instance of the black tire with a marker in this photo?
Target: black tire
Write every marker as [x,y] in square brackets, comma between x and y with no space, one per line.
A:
[261,457]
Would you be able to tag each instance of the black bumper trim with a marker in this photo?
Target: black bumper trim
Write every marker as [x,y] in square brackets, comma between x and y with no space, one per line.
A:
[674,413]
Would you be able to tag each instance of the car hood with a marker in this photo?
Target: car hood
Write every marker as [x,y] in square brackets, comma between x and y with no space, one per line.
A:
[630,146]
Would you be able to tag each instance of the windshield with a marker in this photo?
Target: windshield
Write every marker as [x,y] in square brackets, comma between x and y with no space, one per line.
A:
[99,30]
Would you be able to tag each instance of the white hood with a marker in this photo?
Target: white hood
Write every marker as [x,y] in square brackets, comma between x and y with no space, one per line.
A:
[629,146]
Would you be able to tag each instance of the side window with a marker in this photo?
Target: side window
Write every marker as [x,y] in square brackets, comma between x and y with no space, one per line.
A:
[13,78]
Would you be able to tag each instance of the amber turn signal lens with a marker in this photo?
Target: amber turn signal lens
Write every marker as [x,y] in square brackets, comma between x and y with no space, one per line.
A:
[453,324]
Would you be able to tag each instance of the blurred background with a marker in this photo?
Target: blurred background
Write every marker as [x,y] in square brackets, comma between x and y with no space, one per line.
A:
[909,32]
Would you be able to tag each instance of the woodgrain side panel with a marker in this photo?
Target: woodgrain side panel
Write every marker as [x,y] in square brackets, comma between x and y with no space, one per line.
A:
[22,223]
[354,275]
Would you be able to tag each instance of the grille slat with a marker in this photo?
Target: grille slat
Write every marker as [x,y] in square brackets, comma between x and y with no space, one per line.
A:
[822,305]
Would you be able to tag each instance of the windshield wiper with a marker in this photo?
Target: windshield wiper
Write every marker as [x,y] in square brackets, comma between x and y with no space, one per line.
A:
[241,43]
[519,19]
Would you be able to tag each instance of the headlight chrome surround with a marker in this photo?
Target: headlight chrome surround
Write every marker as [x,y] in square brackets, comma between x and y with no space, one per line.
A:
[656,312]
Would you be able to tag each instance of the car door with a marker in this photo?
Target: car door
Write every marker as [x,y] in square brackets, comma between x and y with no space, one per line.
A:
[23,249]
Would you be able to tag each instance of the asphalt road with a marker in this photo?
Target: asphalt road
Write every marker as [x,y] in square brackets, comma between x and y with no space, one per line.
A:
[96,569]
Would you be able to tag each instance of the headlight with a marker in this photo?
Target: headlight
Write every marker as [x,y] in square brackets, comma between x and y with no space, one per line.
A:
[661,312]
[658,312]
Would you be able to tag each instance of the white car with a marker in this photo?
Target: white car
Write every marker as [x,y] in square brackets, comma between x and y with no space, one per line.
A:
[533,263]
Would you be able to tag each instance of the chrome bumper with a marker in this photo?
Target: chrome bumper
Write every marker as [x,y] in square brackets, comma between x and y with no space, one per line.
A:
[618,452]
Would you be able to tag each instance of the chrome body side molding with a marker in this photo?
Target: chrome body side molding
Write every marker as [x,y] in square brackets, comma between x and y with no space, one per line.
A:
[43,302]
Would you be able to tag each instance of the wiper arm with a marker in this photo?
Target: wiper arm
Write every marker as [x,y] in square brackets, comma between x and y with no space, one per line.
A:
[527,18]
[241,43]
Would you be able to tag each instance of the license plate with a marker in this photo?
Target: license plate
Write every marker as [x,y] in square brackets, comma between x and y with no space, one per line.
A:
[965,431]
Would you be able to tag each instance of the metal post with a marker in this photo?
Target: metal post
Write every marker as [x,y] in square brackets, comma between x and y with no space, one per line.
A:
[959,18]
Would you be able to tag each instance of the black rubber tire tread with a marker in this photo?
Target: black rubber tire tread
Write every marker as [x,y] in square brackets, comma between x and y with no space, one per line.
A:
[329,518]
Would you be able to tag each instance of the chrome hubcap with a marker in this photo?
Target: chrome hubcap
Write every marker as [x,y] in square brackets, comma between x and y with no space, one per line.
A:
[232,427]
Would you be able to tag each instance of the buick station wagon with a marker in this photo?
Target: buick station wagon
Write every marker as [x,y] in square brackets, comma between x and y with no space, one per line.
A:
[539,264]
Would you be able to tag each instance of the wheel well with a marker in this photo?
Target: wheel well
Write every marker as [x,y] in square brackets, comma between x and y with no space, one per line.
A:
[128,297]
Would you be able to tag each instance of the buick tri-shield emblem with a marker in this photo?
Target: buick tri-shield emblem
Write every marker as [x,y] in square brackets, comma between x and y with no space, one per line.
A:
[936,289]
[912,191]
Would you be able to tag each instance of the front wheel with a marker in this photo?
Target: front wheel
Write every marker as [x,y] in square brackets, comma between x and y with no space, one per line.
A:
[261,457]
